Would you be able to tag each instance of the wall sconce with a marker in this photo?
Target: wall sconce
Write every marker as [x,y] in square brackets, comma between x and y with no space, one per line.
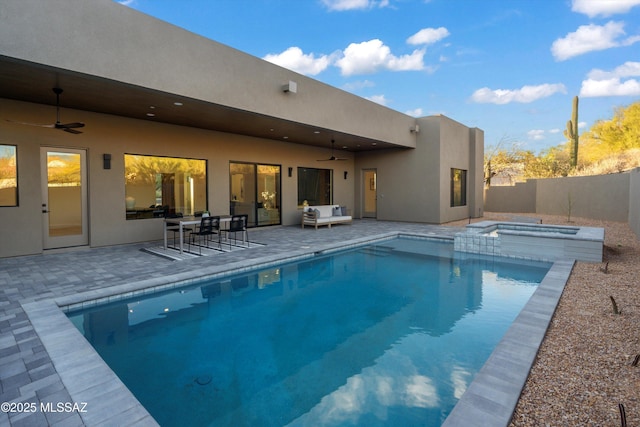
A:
[290,171]
[345,174]
[414,129]
[291,86]
[106,161]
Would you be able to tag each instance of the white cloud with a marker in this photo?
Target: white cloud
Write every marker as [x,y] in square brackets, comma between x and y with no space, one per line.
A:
[536,134]
[609,87]
[354,86]
[593,8]
[373,55]
[428,36]
[342,5]
[612,83]
[628,69]
[554,131]
[589,38]
[415,113]
[523,95]
[294,59]
[378,99]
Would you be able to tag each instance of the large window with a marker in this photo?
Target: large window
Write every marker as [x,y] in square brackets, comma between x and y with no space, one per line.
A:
[458,187]
[315,186]
[164,186]
[255,191]
[8,176]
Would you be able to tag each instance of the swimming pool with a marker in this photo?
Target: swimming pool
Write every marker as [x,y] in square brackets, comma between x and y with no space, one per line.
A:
[388,334]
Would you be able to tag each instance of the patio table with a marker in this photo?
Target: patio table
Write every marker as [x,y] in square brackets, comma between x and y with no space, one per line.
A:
[186,221]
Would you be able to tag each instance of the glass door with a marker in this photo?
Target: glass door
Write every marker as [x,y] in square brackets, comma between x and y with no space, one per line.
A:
[255,191]
[370,193]
[64,197]
[268,194]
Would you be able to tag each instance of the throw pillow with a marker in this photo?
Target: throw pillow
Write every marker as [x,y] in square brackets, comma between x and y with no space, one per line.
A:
[343,210]
[337,211]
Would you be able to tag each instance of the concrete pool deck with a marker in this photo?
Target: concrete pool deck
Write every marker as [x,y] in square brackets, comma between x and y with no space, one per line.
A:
[37,368]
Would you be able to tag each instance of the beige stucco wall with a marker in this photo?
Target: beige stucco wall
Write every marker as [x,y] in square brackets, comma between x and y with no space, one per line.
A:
[634,200]
[519,198]
[413,184]
[456,152]
[116,136]
[105,39]
[598,197]
[476,174]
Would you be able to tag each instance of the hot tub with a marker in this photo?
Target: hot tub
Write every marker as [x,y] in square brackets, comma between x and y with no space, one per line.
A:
[543,242]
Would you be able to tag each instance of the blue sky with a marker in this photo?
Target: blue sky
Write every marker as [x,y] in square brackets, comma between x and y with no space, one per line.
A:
[509,67]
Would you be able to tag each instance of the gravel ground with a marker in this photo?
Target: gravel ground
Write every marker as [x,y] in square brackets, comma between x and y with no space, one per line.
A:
[584,374]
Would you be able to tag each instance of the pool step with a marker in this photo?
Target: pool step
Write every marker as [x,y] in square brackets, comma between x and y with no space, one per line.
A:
[381,251]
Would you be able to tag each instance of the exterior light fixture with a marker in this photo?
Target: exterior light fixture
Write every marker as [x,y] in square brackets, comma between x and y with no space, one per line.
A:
[345,174]
[106,161]
[291,87]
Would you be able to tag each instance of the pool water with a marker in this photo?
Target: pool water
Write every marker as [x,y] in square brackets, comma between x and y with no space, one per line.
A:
[387,334]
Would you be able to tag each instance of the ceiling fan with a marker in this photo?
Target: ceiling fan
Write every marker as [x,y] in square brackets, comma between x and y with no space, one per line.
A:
[67,127]
[333,142]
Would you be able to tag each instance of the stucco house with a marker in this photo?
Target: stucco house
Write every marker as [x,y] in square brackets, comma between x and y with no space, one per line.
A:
[154,120]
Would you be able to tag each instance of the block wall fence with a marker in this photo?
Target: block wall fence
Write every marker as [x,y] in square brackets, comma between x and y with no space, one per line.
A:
[613,197]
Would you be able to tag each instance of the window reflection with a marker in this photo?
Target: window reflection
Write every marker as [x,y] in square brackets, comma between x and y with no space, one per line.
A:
[255,191]
[64,193]
[8,176]
[315,186]
[164,186]
[458,187]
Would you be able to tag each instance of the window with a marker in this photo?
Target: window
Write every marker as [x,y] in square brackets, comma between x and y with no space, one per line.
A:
[8,175]
[255,191]
[458,187]
[162,186]
[315,186]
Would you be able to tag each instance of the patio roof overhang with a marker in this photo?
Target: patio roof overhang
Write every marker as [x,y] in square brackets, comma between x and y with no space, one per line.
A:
[30,82]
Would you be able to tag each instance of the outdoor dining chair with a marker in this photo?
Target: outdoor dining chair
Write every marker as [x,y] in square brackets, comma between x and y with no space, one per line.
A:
[176,228]
[238,224]
[209,227]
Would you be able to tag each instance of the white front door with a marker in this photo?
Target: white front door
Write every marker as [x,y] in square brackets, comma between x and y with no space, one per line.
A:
[64,197]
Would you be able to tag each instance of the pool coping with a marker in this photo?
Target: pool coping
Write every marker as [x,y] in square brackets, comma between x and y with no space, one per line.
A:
[492,395]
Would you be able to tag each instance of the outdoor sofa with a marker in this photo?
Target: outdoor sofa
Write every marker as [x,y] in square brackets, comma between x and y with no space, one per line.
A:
[324,215]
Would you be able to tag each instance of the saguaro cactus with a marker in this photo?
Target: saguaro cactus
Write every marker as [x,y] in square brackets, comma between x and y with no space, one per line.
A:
[572,133]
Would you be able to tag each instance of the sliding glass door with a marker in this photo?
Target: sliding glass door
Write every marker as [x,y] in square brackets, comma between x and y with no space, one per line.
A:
[255,191]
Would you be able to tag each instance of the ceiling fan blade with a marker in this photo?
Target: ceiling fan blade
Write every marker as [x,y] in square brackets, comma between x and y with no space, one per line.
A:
[332,158]
[70,130]
[69,125]
[42,125]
